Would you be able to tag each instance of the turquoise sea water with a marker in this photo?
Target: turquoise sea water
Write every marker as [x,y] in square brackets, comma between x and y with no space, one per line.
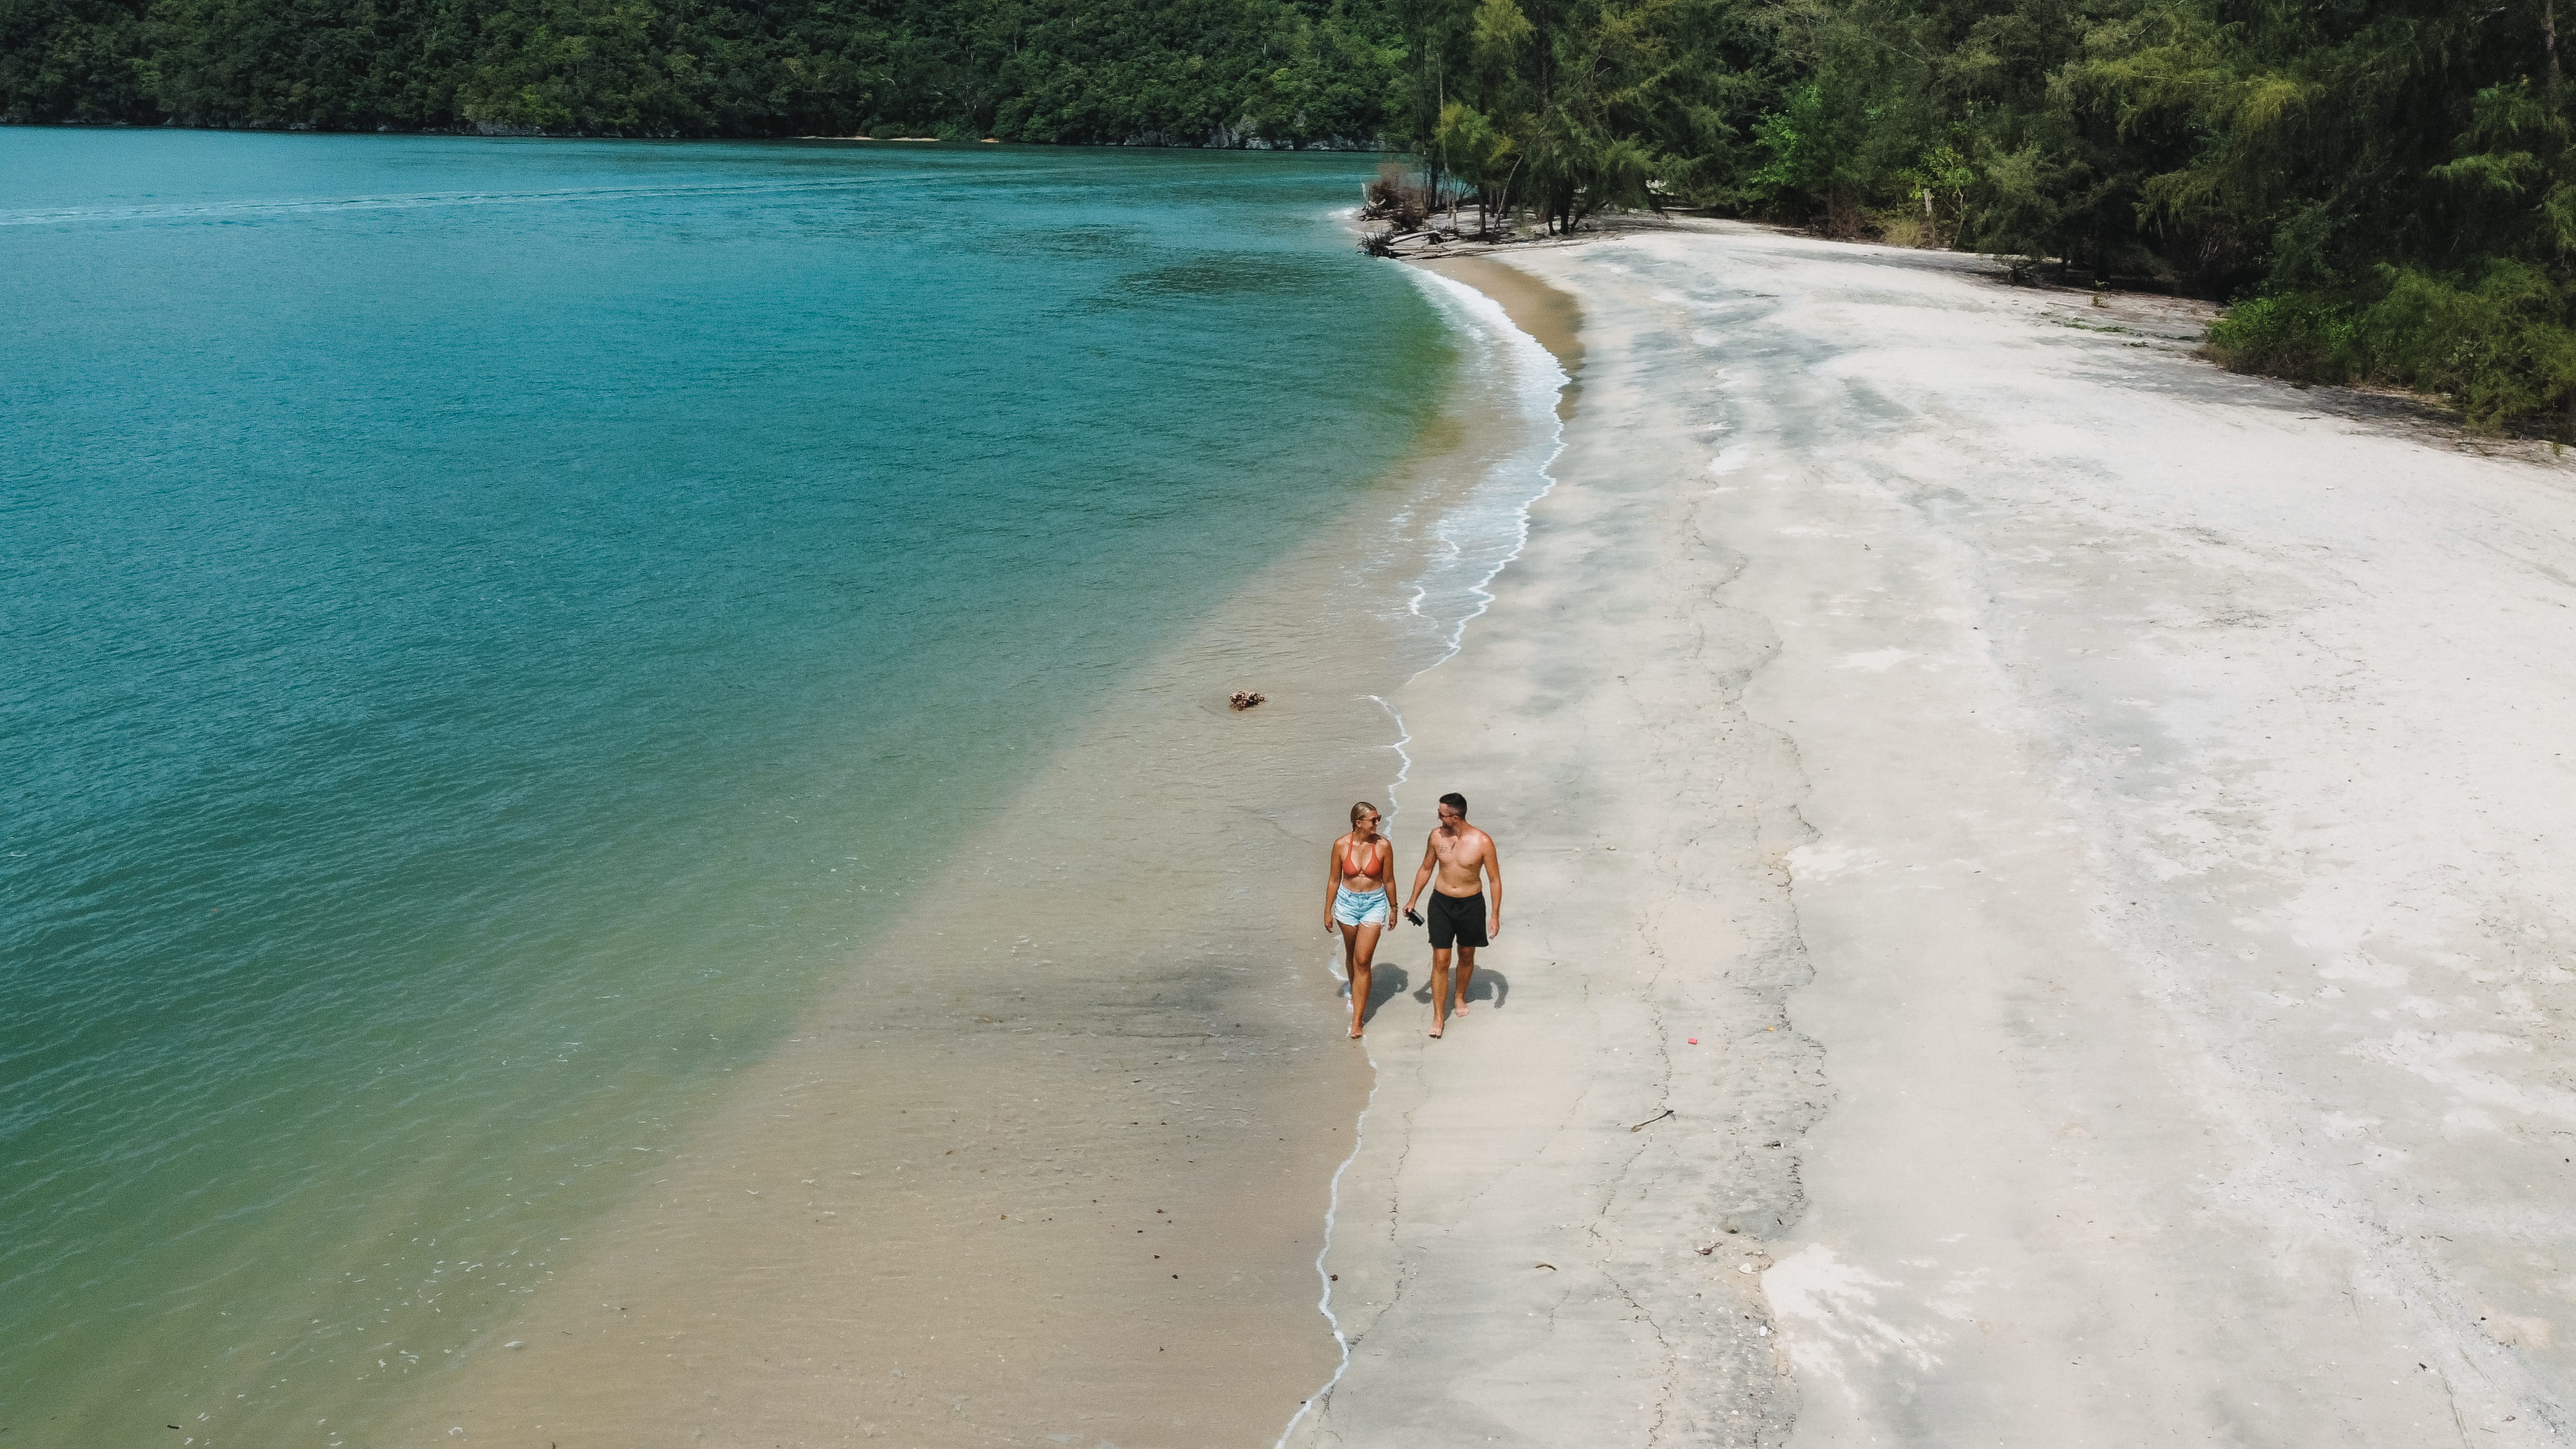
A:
[487,626]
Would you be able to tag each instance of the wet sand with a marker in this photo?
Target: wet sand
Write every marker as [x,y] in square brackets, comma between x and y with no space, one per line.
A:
[2040,906]
[1054,1164]
[1546,313]
[1054,1167]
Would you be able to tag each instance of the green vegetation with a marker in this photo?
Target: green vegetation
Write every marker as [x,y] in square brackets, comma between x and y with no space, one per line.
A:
[2386,188]
[1279,72]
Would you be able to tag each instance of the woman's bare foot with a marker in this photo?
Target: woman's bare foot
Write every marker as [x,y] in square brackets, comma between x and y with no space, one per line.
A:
[1355,1033]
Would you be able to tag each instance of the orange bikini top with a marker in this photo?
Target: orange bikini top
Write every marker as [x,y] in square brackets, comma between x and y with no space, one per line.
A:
[1360,858]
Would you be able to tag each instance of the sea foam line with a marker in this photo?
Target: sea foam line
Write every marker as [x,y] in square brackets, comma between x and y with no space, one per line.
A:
[1489,531]
[1541,382]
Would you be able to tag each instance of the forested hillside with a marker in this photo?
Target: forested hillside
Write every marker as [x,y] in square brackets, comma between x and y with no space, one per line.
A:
[1278,72]
[2386,186]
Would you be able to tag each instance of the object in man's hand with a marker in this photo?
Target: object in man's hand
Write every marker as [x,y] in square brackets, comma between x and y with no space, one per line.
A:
[1246,699]
[1413,915]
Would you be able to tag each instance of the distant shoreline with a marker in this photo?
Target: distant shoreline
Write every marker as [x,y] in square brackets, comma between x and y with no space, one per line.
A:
[1222,140]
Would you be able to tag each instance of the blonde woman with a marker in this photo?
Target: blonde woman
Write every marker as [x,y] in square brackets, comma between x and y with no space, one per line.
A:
[1358,901]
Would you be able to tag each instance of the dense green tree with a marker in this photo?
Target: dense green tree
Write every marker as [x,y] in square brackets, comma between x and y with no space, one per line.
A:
[1564,106]
[2386,188]
[1184,71]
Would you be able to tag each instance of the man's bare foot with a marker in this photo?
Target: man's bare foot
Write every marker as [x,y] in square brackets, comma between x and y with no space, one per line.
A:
[1355,1033]
[1459,1010]
[1435,1031]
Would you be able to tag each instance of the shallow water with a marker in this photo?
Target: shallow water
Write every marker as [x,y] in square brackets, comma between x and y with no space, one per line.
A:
[496,629]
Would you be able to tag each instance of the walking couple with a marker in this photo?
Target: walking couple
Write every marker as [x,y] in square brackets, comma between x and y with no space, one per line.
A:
[1359,894]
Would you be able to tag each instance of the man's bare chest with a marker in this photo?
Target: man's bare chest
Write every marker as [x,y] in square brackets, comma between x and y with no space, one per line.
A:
[1461,854]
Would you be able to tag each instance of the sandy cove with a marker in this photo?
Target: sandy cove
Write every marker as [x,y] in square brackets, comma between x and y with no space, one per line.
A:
[2105,823]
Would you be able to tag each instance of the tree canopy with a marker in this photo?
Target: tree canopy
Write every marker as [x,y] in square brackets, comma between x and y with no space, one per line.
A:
[1192,72]
[2386,188]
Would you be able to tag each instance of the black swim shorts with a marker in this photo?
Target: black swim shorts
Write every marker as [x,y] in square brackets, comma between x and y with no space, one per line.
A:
[1459,919]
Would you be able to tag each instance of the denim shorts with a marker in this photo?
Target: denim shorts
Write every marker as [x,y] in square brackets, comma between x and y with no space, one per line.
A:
[1352,908]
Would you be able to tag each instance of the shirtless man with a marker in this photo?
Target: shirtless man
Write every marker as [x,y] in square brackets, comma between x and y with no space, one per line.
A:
[1458,909]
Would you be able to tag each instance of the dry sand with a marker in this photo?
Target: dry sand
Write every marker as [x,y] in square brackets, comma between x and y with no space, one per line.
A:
[2106,824]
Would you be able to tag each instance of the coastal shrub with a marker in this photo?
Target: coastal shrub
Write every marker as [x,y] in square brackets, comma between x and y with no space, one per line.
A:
[1903,227]
[2304,339]
[2498,346]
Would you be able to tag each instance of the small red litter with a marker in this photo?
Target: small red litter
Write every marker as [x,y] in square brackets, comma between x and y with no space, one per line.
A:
[1694,1041]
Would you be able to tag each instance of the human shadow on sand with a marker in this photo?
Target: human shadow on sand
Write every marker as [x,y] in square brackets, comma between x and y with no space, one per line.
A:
[1489,988]
[1386,982]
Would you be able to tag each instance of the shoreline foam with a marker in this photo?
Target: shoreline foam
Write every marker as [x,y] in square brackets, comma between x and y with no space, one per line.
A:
[1483,534]
[1508,1280]
[1543,362]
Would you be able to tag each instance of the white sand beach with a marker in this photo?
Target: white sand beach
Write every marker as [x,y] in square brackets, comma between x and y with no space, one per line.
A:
[2039,912]
[2078,842]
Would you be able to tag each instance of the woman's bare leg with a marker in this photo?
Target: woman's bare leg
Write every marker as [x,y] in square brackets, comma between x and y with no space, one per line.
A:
[1361,942]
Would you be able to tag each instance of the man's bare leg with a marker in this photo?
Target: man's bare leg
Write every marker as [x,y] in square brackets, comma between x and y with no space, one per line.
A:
[1439,991]
[1466,975]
